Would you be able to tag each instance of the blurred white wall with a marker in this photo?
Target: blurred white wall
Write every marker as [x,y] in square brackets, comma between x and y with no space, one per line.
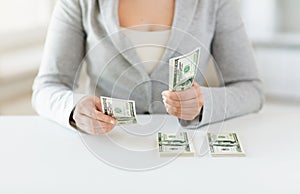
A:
[274,29]
[17,15]
[260,17]
[23,29]
[289,16]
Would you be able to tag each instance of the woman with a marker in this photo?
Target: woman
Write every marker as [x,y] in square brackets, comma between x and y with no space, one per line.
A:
[105,34]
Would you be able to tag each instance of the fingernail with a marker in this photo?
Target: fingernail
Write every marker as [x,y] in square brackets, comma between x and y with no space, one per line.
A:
[113,122]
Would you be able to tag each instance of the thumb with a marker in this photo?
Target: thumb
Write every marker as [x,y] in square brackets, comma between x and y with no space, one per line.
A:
[97,103]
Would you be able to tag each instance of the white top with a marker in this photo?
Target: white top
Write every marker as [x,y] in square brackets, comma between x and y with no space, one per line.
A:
[149,45]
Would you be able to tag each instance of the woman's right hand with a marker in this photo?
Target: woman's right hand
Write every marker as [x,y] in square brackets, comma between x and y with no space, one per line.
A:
[89,117]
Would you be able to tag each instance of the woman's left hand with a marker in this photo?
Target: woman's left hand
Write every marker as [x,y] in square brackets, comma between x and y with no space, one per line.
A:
[185,104]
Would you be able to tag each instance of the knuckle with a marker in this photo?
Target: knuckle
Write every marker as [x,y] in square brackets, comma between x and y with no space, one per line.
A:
[168,111]
[178,109]
[167,101]
[180,115]
[178,104]
[80,108]
[199,93]
[105,117]
[109,127]
[103,128]
[90,131]
[98,114]
[201,102]
[174,95]
[80,126]
[98,131]
[173,111]
[86,129]
[77,108]
[172,103]
[196,111]
[76,117]
[96,99]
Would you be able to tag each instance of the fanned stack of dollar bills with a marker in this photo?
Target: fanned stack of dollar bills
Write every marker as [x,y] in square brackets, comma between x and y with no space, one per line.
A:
[225,145]
[175,144]
[182,70]
[122,110]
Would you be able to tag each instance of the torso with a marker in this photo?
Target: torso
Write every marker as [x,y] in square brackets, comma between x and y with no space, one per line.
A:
[148,15]
[120,75]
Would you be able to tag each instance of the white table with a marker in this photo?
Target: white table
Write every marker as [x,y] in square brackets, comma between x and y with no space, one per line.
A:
[39,156]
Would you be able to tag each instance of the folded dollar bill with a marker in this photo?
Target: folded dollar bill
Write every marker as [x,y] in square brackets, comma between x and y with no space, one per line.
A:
[182,70]
[225,145]
[175,144]
[123,110]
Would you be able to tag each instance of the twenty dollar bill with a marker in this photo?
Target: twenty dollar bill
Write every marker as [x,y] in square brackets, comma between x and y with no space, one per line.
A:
[122,110]
[182,70]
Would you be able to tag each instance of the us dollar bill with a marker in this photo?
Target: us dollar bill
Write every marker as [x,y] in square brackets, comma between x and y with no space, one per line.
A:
[173,144]
[122,110]
[182,70]
[225,145]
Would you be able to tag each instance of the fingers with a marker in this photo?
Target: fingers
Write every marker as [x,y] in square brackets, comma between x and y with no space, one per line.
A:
[97,103]
[184,113]
[89,107]
[97,115]
[180,110]
[92,126]
[185,104]
[90,119]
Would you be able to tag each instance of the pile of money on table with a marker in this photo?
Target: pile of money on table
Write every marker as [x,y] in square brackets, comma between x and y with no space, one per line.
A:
[225,145]
[175,144]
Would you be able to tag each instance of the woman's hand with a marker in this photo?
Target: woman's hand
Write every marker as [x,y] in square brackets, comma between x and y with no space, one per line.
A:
[89,117]
[185,104]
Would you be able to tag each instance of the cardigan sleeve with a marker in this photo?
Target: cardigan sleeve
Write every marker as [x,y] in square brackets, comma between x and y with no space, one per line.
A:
[53,88]
[241,90]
